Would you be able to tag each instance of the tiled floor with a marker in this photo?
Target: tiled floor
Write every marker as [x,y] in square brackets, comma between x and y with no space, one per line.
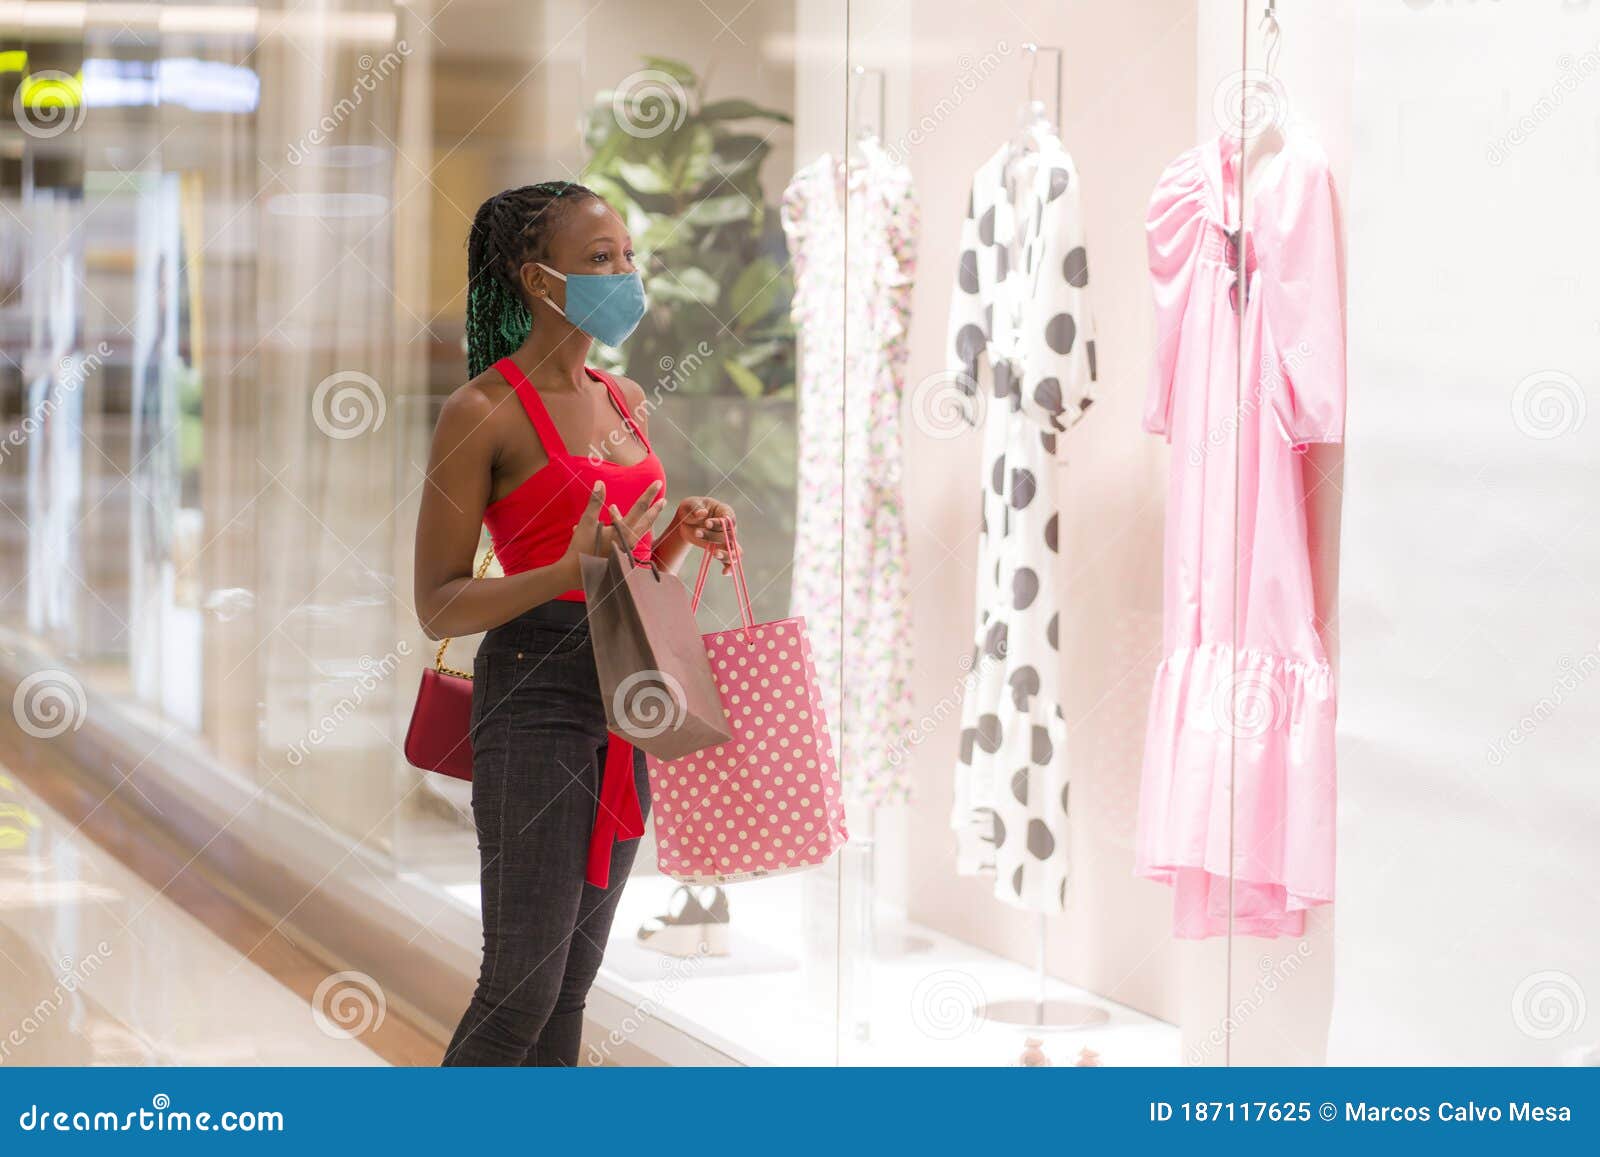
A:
[115,950]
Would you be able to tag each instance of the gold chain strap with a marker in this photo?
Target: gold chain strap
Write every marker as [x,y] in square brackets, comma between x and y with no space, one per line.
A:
[438,659]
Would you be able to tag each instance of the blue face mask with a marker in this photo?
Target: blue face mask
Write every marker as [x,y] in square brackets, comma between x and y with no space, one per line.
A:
[606,306]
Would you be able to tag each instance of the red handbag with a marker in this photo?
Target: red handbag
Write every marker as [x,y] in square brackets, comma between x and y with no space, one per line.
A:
[440,735]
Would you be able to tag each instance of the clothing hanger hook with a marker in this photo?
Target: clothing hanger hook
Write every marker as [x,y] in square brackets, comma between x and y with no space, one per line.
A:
[1273,35]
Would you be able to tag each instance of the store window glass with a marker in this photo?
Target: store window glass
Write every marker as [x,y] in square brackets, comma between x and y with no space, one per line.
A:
[1170,422]
[1006,899]
[119,310]
[1443,529]
[232,291]
[689,120]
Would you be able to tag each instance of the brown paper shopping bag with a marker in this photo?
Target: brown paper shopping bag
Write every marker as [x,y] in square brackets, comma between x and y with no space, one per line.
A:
[655,677]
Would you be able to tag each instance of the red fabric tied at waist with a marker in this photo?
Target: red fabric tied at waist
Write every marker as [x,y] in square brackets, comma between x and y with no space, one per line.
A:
[620,815]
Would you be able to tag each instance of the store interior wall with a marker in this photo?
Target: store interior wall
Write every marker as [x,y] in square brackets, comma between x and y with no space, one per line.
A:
[1129,79]
[1468,802]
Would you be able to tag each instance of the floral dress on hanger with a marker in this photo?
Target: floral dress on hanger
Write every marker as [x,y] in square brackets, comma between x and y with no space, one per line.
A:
[850,533]
[1021,312]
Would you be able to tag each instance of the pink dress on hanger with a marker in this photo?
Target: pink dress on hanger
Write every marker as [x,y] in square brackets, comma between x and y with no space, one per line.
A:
[1244,695]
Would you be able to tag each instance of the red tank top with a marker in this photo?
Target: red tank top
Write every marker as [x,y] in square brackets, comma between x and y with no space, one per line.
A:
[533,524]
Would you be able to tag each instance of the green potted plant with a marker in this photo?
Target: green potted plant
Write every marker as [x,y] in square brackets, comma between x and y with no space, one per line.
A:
[685,173]
[715,352]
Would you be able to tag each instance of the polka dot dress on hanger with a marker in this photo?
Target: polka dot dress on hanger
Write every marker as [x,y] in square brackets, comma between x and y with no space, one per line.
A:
[1022,338]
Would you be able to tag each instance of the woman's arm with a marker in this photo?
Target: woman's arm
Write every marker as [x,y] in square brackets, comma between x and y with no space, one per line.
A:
[450,602]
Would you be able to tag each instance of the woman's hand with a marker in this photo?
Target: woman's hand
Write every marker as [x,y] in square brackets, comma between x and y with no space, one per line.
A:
[641,516]
[707,524]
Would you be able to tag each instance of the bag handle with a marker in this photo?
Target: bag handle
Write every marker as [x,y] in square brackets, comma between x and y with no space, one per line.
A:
[438,658]
[629,547]
[740,587]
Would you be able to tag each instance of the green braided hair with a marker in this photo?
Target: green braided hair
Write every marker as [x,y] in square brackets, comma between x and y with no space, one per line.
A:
[510,228]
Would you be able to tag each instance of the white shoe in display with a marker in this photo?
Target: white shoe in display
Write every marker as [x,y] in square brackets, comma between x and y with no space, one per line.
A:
[696,924]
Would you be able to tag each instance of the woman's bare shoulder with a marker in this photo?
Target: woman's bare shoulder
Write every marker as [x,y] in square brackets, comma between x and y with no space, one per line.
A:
[633,394]
[472,407]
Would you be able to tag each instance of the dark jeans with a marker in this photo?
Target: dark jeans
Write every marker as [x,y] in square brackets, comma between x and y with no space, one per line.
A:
[538,747]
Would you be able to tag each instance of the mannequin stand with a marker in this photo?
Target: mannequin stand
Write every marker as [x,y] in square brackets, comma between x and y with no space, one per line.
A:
[1042,1012]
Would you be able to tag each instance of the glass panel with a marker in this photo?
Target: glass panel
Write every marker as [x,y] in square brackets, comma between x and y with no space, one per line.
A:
[758,88]
[1449,556]
[688,119]
[118,308]
[1003,625]
[199,332]
[232,299]
[1280,697]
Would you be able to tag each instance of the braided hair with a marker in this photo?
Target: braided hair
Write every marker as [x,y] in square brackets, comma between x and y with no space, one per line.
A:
[509,229]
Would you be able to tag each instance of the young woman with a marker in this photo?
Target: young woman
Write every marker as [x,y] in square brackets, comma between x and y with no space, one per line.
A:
[553,456]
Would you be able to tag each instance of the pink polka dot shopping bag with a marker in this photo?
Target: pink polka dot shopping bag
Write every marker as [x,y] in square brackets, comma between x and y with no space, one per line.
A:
[768,799]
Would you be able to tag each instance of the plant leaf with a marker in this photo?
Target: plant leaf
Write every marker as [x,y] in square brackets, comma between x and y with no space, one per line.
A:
[749,385]
[689,154]
[755,353]
[676,69]
[720,210]
[736,154]
[753,293]
[650,177]
[685,284]
[739,109]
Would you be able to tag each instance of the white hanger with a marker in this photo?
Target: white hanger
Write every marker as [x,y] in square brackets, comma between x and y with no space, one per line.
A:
[1033,121]
[860,134]
[1268,143]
